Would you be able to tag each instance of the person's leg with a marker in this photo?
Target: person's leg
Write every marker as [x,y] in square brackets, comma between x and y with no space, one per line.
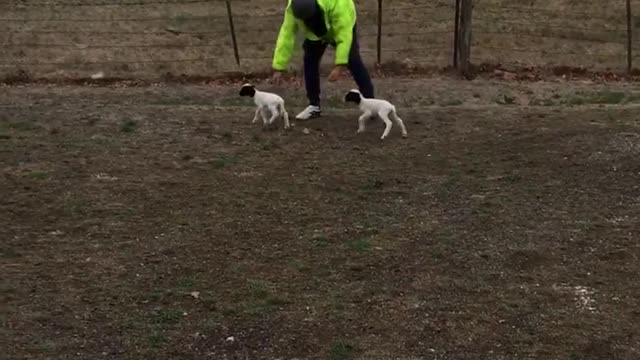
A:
[313,51]
[359,70]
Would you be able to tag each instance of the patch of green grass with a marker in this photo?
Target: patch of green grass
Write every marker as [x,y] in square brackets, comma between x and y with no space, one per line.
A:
[155,295]
[337,102]
[544,101]
[231,311]
[9,252]
[223,161]
[75,207]
[236,101]
[505,99]
[180,20]
[575,101]
[297,265]
[102,139]
[156,339]
[259,289]
[605,97]
[452,102]
[179,100]
[373,184]
[320,240]
[426,101]
[270,145]
[341,350]
[22,125]
[264,307]
[548,102]
[128,126]
[359,245]
[609,97]
[37,175]
[212,324]
[45,346]
[337,302]
[450,184]
[185,283]
[260,302]
[123,213]
[166,316]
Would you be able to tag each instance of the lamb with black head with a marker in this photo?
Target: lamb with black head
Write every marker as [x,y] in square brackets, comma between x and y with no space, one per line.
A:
[266,101]
[375,107]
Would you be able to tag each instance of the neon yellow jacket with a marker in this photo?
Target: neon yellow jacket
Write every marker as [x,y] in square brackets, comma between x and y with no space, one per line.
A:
[339,17]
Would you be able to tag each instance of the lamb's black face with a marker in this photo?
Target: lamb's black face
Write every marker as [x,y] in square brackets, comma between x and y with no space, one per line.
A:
[353,96]
[247,90]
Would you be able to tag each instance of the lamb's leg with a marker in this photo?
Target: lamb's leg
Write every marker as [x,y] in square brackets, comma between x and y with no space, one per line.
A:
[395,117]
[362,121]
[265,117]
[274,114]
[388,124]
[255,117]
[285,117]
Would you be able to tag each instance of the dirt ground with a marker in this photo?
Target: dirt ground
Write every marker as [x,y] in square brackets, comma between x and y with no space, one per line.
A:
[159,223]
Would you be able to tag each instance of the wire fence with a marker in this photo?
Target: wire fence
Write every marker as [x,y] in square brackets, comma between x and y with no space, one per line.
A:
[150,38]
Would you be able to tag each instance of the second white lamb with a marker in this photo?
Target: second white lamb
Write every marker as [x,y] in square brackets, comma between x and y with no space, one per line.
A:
[375,107]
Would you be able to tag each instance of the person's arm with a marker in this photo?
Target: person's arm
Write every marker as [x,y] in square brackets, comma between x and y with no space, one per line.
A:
[286,41]
[343,19]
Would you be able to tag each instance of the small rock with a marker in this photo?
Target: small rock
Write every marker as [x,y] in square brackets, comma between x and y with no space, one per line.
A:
[195,294]
[306,131]
[230,339]
[98,75]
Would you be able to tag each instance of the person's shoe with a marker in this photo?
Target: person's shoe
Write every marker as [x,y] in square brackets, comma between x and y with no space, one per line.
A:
[310,112]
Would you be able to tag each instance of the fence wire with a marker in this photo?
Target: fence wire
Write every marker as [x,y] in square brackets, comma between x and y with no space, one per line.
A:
[193,36]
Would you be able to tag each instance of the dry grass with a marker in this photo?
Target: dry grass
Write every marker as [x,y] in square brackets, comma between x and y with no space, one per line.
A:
[159,223]
[193,38]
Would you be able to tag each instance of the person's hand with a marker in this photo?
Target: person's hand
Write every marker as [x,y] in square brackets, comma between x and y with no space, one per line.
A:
[337,72]
[277,77]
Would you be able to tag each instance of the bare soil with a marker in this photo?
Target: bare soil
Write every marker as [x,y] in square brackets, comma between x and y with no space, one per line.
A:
[159,223]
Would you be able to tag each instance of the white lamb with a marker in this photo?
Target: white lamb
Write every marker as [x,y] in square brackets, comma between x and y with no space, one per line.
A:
[375,107]
[264,101]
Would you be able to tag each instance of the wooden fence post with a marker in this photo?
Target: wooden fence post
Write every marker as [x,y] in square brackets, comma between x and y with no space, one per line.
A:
[629,38]
[464,38]
[233,33]
[379,42]
[456,24]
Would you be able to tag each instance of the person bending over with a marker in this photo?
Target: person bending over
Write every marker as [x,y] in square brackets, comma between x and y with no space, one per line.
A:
[323,23]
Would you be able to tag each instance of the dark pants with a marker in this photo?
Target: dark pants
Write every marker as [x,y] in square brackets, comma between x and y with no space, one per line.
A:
[313,51]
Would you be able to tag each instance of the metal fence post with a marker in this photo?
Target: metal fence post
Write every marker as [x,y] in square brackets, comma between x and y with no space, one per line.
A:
[233,33]
[379,40]
[464,37]
[629,38]
[456,22]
